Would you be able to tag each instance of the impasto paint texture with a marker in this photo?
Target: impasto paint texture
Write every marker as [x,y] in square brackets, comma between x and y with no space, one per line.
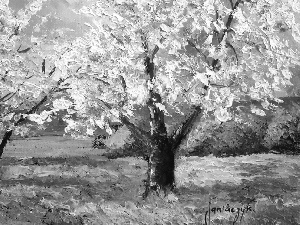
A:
[149,112]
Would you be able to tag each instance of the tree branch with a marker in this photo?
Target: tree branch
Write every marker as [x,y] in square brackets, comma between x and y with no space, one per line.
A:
[180,133]
[230,45]
[103,81]
[230,18]
[231,3]
[44,66]
[123,83]
[144,42]
[222,85]
[199,51]
[34,109]
[124,86]
[24,50]
[16,32]
[52,71]
[7,96]
[156,48]
[37,106]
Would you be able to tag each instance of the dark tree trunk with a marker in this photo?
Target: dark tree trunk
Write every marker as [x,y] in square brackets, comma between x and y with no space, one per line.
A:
[161,163]
[4,141]
[161,160]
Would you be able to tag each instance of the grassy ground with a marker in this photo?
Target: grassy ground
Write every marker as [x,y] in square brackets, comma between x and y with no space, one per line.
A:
[55,180]
[44,146]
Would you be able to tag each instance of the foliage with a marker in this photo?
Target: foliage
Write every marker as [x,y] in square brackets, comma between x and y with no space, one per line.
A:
[207,53]
[240,136]
[252,58]
[283,133]
[276,131]
[30,74]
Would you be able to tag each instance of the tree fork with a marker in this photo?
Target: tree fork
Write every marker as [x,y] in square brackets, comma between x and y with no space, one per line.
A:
[181,132]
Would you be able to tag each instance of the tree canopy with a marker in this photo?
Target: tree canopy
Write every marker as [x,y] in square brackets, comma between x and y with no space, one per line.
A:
[174,57]
[208,53]
[30,74]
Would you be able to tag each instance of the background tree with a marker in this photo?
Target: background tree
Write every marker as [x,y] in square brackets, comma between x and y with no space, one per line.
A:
[30,76]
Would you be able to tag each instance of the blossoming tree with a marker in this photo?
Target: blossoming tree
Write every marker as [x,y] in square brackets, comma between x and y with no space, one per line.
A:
[166,54]
[30,76]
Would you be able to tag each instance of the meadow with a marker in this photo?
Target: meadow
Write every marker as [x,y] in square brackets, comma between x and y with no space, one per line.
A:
[65,181]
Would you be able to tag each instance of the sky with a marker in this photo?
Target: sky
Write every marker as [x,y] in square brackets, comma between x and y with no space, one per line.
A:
[58,19]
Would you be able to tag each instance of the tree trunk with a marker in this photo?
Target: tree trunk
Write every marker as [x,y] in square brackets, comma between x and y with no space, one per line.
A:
[161,161]
[4,141]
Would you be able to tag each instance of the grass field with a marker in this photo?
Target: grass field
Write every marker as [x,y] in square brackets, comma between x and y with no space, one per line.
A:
[57,180]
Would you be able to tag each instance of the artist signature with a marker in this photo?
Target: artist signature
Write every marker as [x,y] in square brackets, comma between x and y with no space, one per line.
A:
[240,211]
